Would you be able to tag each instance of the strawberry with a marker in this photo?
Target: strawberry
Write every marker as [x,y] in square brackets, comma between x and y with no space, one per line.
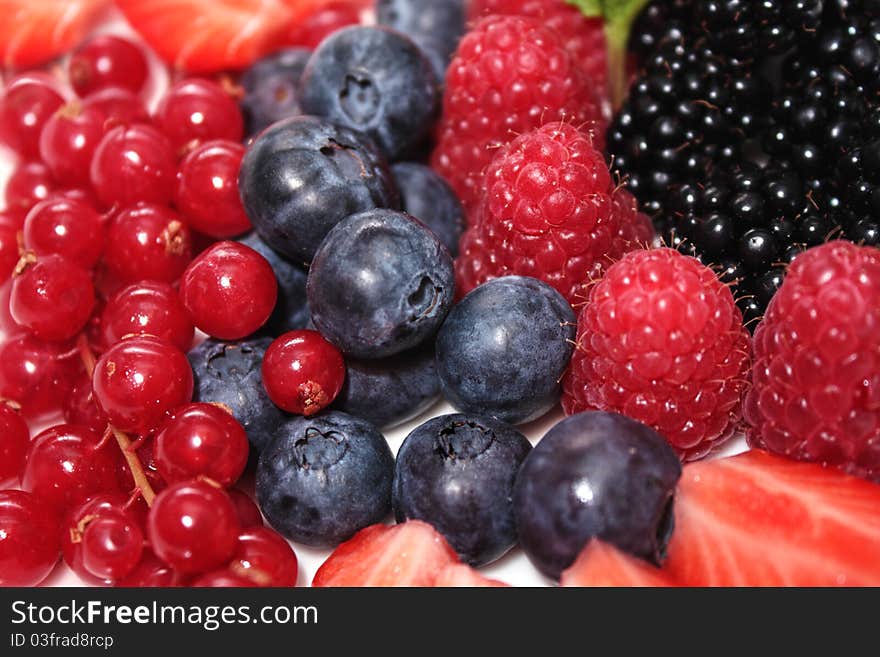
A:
[203,36]
[460,575]
[601,565]
[32,33]
[409,554]
[762,520]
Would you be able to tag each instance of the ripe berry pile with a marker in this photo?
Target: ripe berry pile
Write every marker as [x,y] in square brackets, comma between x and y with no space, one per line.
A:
[254,272]
[779,98]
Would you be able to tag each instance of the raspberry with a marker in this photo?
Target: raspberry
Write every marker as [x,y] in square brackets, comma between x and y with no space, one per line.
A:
[583,37]
[816,382]
[661,340]
[509,75]
[551,211]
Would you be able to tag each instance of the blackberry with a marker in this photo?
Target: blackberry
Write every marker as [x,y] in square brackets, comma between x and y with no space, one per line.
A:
[826,122]
[742,29]
[661,21]
[688,111]
[757,28]
[748,221]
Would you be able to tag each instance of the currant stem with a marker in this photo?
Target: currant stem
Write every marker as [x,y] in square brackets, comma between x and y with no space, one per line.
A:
[125,444]
[135,465]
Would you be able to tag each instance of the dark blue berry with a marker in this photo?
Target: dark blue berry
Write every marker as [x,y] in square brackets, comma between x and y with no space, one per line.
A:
[325,477]
[456,472]
[503,349]
[229,373]
[389,391]
[426,196]
[270,88]
[374,80]
[381,283]
[436,26]
[303,175]
[595,475]
[292,308]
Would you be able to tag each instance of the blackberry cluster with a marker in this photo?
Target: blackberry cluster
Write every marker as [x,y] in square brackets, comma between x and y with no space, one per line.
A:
[753,28]
[749,222]
[752,131]
[688,111]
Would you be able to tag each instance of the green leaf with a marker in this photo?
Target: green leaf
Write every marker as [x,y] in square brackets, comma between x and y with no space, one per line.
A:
[619,16]
[592,8]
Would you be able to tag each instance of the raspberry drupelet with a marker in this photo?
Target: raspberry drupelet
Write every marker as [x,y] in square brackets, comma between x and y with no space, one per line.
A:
[662,341]
[509,75]
[550,211]
[815,392]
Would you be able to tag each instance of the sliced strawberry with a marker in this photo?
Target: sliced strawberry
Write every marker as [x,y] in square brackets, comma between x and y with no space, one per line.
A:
[409,554]
[203,36]
[761,520]
[32,33]
[601,565]
[460,575]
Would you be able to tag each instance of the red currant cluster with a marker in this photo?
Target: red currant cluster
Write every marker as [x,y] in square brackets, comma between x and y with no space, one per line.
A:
[105,210]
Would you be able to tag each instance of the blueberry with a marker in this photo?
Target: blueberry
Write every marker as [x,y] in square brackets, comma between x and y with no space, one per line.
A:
[426,196]
[374,80]
[380,283]
[595,475]
[503,349]
[229,373]
[270,88]
[392,390]
[436,26]
[456,472]
[325,477]
[292,308]
[303,175]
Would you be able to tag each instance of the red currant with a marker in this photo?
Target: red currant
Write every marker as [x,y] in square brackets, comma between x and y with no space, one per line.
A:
[150,572]
[201,440]
[137,381]
[65,226]
[133,163]
[246,509]
[221,579]
[207,190]
[102,540]
[107,61]
[29,100]
[30,183]
[68,141]
[67,463]
[332,16]
[12,217]
[147,242]
[302,372]
[8,249]
[147,308]
[81,408]
[229,290]
[14,441]
[119,107]
[80,194]
[29,545]
[37,375]
[51,296]
[265,558]
[195,110]
[192,527]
